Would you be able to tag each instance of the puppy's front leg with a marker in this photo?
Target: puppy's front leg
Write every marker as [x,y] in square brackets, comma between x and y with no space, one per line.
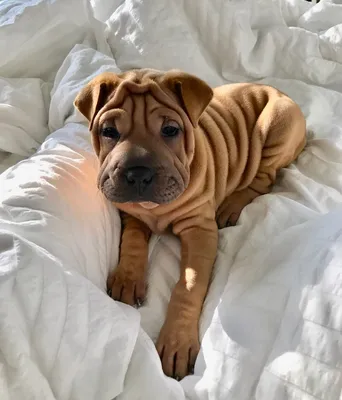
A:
[178,342]
[128,282]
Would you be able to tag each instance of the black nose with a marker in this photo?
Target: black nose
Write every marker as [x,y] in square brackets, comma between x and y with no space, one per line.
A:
[141,177]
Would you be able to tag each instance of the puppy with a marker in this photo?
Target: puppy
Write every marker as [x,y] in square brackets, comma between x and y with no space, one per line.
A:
[175,153]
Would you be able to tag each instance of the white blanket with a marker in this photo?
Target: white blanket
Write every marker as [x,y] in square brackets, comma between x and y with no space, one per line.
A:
[272,322]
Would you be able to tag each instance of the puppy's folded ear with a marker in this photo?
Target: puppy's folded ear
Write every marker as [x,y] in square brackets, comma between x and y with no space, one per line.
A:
[193,93]
[95,94]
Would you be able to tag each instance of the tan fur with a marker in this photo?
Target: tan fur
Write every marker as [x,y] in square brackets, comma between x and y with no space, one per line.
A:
[236,139]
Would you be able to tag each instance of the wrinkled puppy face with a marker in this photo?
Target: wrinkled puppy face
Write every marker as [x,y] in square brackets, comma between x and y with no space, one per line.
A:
[142,151]
[142,124]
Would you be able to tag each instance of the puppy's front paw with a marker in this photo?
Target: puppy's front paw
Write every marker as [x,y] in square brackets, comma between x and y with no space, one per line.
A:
[127,287]
[178,346]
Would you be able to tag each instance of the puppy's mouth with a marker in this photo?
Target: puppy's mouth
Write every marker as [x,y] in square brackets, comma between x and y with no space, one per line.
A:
[149,205]
[146,186]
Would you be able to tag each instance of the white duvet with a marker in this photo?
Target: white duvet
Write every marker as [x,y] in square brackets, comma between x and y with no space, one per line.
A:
[271,326]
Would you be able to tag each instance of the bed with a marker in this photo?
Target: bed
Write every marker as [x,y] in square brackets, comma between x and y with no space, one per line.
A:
[271,326]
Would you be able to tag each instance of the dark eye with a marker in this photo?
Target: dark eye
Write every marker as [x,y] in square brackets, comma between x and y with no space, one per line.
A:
[110,132]
[170,130]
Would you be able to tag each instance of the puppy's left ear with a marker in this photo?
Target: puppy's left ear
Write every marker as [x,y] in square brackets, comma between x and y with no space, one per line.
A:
[95,94]
[193,93]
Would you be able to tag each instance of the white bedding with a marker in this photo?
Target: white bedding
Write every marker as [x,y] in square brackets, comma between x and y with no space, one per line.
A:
[272,320]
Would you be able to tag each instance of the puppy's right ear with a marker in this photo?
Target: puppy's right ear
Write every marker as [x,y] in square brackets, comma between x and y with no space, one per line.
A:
[95,94]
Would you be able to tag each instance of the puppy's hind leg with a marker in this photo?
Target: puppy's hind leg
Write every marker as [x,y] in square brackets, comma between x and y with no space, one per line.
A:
[230,210]
[282,124]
